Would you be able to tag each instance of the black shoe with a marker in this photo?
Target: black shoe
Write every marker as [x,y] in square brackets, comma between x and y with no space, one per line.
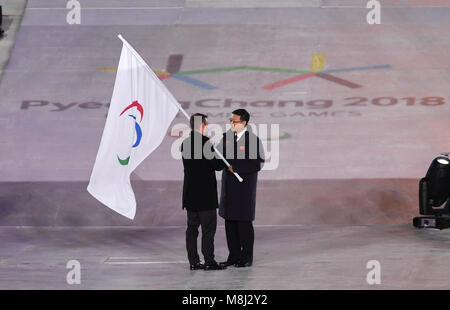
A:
[243,264]
[197,266]
[214,266]
[227,263]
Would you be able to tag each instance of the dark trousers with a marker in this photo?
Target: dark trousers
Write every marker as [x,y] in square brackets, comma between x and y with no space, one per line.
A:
[208,221]
[240,240]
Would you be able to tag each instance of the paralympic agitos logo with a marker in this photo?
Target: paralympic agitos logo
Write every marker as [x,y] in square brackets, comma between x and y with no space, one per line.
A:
[137,127]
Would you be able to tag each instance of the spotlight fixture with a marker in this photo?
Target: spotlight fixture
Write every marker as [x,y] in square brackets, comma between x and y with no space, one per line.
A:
[434,194]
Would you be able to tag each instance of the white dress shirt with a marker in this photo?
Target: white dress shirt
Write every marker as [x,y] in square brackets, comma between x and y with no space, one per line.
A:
[239,135]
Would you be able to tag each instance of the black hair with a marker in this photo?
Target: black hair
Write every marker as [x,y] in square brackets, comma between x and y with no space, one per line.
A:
[196,116]
[243,114]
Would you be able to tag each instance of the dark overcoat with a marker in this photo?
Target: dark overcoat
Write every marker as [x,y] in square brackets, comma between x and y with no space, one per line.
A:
[238,199]
[200,185]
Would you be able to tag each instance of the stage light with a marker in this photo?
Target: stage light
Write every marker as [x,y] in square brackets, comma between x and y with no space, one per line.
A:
[434,191]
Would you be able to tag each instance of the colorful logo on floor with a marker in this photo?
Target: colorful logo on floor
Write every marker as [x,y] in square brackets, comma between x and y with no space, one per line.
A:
[316,70]
[138,129]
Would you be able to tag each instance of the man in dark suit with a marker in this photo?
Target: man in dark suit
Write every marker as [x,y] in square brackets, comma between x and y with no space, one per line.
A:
[200,193]
[245,153]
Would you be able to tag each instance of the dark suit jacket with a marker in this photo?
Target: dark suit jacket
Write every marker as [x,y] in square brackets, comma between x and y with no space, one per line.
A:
[238,200]
[200,185]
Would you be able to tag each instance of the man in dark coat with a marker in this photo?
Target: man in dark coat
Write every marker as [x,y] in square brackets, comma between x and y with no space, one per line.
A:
[245,153]
[200,193]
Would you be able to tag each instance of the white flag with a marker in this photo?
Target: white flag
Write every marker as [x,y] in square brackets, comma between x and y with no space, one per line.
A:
[139,116]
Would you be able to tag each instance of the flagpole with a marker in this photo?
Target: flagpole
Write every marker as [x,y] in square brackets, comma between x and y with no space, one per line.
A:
[141,60]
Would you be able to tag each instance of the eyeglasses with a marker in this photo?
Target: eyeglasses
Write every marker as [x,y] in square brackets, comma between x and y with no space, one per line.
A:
[235,122]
